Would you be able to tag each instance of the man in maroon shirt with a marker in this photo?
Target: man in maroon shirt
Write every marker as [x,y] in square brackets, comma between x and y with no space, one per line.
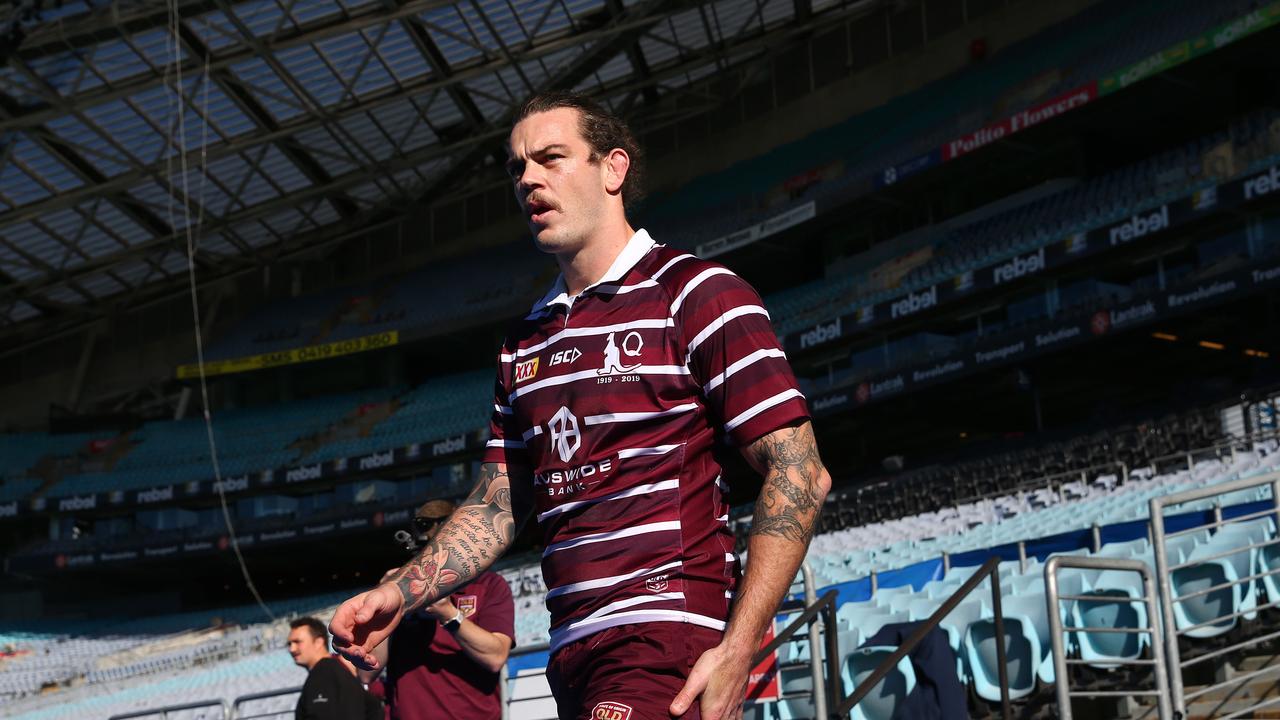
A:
[443,659]
[614,399]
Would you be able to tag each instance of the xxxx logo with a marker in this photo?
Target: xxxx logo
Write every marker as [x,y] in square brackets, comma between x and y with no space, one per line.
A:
[526,370]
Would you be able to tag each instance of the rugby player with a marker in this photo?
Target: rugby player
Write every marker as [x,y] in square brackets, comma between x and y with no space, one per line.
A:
[614,396]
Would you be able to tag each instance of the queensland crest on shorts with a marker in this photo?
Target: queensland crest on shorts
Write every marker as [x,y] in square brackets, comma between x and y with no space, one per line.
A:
[611,711]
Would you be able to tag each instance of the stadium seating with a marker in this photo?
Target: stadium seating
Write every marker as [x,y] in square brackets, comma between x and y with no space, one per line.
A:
[959,246]
[255,439]
[1102,39]
[962,510]
[23,451]
[173,646]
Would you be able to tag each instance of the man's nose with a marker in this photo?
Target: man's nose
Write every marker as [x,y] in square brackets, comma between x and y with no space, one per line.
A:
[530,179]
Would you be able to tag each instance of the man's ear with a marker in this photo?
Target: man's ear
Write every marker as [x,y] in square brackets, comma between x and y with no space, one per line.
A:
[615,166]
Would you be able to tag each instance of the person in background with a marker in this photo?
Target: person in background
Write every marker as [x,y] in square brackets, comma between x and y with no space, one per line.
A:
[444,659]
[331,691]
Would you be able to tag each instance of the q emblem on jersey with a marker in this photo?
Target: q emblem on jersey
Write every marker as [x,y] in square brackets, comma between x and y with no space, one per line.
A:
[611,711]
[614,352]
[526,370]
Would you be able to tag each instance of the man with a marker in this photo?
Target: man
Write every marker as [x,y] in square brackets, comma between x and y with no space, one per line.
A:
[331,691]
[443,660]
[620,466]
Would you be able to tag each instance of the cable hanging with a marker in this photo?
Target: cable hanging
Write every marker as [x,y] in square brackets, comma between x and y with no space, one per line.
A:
[190,229]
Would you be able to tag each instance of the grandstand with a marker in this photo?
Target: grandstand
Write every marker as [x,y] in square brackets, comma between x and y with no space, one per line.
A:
[1023,257]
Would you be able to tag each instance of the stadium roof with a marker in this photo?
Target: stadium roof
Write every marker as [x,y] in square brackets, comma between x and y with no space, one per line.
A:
[301,118]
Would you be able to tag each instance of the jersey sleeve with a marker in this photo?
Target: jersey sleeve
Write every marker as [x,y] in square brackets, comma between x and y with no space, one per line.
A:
[505,444]
[733,353]
[497,609]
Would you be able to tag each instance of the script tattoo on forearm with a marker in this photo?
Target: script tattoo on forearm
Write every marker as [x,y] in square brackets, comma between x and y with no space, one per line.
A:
[792,494]
[480,529]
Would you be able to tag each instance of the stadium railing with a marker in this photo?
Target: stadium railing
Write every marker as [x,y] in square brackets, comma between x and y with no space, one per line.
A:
[219,708]
[990,570]
[240,712]
[1222,576]
[1057,632]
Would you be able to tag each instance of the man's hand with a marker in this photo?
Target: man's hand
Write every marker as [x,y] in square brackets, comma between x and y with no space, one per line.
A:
[442,609]
[364,621]
[717,682]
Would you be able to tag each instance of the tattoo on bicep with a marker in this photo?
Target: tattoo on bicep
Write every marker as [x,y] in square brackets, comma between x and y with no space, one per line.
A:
[790,498]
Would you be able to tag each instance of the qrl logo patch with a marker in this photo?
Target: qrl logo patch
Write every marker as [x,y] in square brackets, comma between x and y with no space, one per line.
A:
[611,711]
[466,604]
[526,370]
[656,584]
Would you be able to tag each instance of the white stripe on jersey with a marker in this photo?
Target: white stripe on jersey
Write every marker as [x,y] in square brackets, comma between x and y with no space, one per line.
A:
[643,452]
[632,602]
[730,557]
[617,289]
[607,581]
[761,406]
[577,630]
[630,492]
[505,444]
[672,262]
[695,282]
[532,433]
[594,373]
[719,322]
[637,416]
[611,535]
[502,409]
[747,361]
[646,324]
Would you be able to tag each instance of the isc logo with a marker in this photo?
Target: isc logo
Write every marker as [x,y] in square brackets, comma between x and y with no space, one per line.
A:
[526,370]
[565,356]
[611,711]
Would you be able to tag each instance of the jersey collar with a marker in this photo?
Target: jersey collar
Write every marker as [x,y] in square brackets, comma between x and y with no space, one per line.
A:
[636,248]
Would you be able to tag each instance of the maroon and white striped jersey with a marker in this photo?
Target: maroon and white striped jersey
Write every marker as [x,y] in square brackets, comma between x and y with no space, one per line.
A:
[616,400]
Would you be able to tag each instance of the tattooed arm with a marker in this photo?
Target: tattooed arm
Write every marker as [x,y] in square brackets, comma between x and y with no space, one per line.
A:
[795,486]
[482,528]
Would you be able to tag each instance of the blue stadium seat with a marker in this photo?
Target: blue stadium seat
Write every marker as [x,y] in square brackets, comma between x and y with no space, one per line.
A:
[885,698]
[1120,610]
[1022,654]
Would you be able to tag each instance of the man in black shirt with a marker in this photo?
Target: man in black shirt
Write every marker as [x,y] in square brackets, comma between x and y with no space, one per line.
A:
[331,691]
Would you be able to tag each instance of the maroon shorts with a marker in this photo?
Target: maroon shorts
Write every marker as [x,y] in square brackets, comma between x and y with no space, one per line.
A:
[629,672]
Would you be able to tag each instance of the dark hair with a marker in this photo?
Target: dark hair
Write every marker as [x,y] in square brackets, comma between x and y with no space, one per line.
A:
[317,628]
[602,130]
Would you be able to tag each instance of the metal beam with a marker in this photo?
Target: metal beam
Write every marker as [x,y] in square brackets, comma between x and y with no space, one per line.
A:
[250,106]
[254,212]
[637,19]
[371,104]
[41,114]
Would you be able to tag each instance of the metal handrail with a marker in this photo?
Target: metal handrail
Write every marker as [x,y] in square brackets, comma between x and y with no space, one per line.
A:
[1056,630]
[990,569]
[1164,570]
[815,665]
[235,704]
[163,712]
[826,606]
